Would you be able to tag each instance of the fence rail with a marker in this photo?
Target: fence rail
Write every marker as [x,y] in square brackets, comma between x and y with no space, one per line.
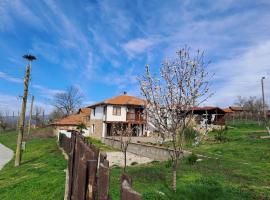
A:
[88,171]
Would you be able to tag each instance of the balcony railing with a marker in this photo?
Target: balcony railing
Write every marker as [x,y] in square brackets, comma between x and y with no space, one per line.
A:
[135,117]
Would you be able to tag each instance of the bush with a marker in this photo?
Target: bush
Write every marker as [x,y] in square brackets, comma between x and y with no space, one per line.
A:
[221,135]
[192,158]
[134,163]
[168,164]
[190,134]
[153,196]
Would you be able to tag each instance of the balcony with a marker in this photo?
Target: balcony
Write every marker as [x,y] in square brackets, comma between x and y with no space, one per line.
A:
[136,117]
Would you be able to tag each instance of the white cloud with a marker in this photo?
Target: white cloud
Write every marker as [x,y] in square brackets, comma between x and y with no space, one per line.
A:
[41,90]
[123,81]
[9,10]
[9,78]
[46,92]
[241,75]
[139,45]
[10,104]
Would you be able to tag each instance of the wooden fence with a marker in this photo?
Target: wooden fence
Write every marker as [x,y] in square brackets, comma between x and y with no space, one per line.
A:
[88,172]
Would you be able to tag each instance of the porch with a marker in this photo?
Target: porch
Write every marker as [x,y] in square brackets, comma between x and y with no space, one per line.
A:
[138,129]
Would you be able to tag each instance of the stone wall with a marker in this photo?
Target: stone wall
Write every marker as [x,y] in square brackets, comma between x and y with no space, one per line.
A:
[149,151]
[98,128]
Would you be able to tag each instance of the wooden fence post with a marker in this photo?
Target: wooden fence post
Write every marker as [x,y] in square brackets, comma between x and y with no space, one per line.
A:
[91,187]
[71,162]
[103,178]
[126,191]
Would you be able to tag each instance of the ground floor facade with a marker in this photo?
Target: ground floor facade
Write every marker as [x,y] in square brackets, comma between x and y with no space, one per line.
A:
[67,129]
[101,129]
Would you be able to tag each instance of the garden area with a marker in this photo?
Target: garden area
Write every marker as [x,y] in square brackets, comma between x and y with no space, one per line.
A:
[235,167]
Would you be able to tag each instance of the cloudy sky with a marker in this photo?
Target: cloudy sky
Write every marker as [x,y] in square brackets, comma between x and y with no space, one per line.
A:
[101,46]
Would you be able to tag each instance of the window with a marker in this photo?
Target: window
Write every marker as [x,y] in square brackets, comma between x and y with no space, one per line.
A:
[93,128]
[104,110]
[117,110]
[94,111]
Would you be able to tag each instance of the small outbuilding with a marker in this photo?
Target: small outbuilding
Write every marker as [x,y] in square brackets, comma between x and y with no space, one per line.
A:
[71,122]
[213,115]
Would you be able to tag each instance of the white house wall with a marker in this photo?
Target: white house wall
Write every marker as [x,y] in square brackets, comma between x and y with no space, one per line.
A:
[111,117]
[98,113]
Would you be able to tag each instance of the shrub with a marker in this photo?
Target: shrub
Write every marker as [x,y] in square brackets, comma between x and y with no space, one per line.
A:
[134,163]
[192,158]
[153,196]
[168,164]
[190,135]
[221,135]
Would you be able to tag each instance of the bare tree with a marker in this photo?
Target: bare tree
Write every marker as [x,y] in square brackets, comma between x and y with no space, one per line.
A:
[56,114]
[3,122]
[182,83]
[37,116]
[69,101]
[124,133]
[252,108]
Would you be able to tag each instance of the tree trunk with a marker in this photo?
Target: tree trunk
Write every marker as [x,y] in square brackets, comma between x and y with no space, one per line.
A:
[268,129]
[125,157]
[174,178]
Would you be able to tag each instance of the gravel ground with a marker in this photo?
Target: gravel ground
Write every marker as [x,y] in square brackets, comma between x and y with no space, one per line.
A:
[117,158]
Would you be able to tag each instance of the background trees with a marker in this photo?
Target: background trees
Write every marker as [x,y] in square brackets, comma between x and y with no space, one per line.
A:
[252,109]
[181,84]
[67,102]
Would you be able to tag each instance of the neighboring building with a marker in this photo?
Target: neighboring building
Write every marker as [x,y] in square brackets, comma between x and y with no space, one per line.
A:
[213,115]
[236,109]
[70,123]
[228,111]
[123,109]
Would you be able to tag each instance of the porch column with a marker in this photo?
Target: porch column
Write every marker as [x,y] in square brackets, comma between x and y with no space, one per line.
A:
[104,130]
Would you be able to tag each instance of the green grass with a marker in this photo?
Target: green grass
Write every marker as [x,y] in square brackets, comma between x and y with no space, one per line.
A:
[41,174]
[100,145]
[238,169]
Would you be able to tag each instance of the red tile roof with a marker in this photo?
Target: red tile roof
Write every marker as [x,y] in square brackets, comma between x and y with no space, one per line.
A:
[236,108]
[122,100]
[207,108]
[74,119]
[228,110]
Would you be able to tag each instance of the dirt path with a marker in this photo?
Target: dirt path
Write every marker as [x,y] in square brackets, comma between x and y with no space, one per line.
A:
[117,158]
[6,155]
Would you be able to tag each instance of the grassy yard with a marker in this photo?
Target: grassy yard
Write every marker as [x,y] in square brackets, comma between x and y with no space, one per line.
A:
[237,169]
[100,145]
[41,175]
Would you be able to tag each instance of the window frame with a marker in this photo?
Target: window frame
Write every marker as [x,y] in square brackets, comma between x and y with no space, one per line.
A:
[116,111]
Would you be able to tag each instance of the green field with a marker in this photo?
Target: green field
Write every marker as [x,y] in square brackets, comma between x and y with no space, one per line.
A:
[237,169]
[41,175]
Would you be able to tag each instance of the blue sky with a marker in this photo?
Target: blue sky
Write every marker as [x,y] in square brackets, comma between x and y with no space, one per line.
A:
[101,46]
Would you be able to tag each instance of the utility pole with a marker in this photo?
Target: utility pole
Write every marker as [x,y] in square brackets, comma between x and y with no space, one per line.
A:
[18,156]
[264,112]
[30,114]
[43,118]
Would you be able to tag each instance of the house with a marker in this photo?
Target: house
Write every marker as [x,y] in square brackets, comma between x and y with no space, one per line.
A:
[71,122]
[124,109]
